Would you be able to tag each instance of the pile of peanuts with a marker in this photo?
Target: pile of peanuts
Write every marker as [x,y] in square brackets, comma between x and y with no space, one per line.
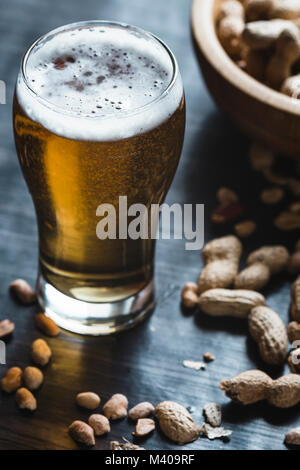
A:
[223,289]
[282,189]
[174,420]
[24,383]
[114,409]
[263,38]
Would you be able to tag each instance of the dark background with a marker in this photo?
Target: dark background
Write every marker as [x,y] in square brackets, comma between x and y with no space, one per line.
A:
[144,363]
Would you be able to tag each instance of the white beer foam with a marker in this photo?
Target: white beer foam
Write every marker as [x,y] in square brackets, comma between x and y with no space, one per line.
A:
[98,83]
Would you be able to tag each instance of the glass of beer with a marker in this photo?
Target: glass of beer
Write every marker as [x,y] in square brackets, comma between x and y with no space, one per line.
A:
[99,115]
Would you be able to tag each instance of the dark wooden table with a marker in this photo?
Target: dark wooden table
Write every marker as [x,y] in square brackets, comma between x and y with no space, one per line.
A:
[146,362]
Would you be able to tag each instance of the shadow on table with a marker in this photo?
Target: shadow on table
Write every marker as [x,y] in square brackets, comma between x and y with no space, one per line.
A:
[235,413]
[216,155]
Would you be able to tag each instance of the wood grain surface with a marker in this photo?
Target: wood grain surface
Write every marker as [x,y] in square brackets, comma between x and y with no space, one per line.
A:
[146,362]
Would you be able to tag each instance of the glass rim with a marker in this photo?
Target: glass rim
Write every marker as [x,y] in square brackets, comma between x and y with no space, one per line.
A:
[122,113]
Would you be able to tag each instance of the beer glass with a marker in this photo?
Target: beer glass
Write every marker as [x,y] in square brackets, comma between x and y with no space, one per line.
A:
[99,118]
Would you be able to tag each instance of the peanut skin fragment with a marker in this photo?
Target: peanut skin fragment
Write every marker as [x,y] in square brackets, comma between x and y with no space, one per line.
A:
[141,410]
[195,365]
[213,414]
[115,445]
[82,432]
[235,303]
[215,433]
[176,422]
[268,330]
[248,387]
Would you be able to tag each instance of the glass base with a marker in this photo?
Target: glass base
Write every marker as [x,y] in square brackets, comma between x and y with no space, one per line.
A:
[89,318]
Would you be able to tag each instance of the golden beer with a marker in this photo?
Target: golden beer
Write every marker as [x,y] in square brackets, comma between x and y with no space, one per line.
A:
[98,114]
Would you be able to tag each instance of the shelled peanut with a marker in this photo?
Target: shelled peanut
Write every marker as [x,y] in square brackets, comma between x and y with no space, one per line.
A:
[22,292]
[40,352]
[82,433]
[33,377]
[116,407]
[6,328]
[12,380]
[265,36]
[189,295]
[25,399]
[100,424]
[229,207]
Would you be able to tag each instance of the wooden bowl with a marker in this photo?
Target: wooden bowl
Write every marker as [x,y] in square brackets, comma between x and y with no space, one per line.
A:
[261,112]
